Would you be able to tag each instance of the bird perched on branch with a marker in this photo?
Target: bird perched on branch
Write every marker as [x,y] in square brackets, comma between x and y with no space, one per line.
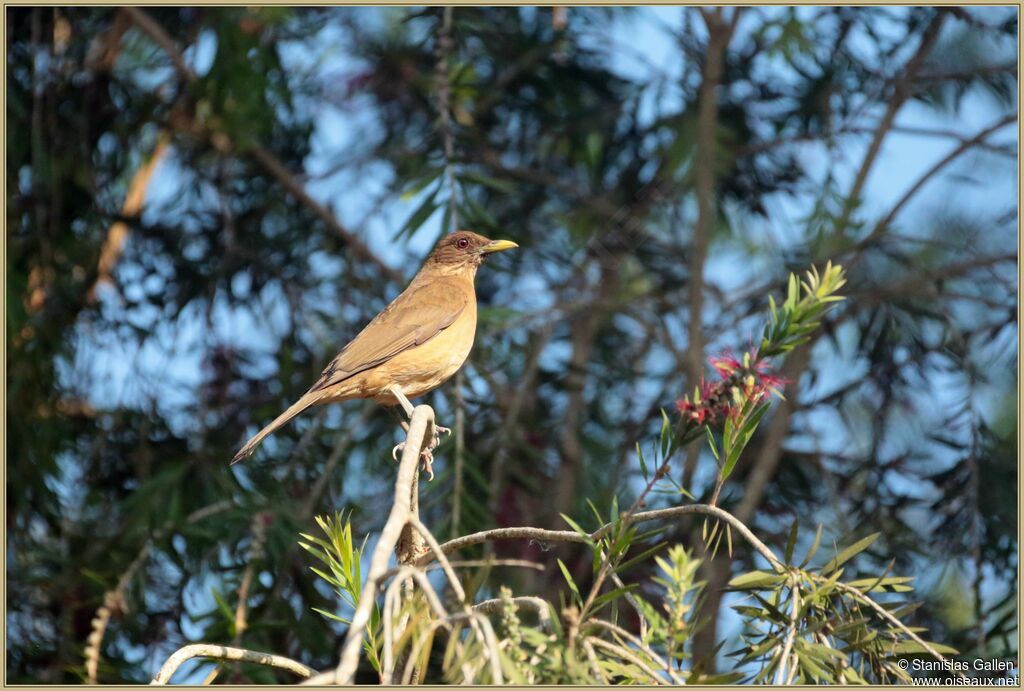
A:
[414,345]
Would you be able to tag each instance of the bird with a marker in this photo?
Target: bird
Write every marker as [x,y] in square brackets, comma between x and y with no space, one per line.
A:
[414,345]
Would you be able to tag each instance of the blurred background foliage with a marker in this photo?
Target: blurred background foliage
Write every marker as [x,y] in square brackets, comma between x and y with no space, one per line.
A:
[203,204]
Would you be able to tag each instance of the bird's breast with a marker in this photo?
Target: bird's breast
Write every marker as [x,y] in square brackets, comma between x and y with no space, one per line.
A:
[423,368]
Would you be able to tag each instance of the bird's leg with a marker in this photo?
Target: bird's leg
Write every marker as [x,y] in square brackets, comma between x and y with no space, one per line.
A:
[426,454]
[396,391]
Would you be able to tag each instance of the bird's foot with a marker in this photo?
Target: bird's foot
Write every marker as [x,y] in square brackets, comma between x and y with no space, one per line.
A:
[427,454]
[428,459]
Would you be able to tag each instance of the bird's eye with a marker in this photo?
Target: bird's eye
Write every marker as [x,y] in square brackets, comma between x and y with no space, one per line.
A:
[462,243]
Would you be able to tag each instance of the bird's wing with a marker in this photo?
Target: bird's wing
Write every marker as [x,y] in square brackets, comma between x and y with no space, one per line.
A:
[413,318]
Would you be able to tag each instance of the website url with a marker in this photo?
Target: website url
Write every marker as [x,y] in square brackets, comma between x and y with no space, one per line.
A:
[967,681]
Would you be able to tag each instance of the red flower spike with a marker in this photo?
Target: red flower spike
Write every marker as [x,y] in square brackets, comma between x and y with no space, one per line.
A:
[725,364]
[742,380]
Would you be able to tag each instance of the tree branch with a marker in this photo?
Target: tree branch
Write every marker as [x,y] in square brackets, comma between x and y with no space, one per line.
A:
[222,652]
[719,34]
[543,535]
[935,169]
[901,92]
[538,605]
[270,163]
[113,245]
[794,609]
[420,428]
[629,656]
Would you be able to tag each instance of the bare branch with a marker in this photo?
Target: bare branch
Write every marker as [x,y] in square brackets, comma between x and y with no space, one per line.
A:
[629,656]
[719,35]
[780,673]
[623,633]
[114,600]
[538,605]
[901,92]
[258,531]
[543,535]
[113,245]
[223,652]
[420,425]
[935,169]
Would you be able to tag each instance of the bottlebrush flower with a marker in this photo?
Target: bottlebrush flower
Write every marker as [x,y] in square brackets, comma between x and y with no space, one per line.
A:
[749,379]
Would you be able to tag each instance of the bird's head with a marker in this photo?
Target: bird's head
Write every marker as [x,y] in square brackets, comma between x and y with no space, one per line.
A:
[464,250]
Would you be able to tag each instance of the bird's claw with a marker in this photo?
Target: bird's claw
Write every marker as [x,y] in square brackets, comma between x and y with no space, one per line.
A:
[426,455]
[428,460]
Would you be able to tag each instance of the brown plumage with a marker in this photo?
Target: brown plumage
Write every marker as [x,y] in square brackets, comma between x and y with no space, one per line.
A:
[418,341]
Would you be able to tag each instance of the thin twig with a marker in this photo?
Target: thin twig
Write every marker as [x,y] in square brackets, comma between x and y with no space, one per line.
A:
[646,649]
[780,673]
[480,625]
[453,580]
[901,92]
[537,604]
[629,656]
[935,169]
[595,666]
[258,530]
[542,535]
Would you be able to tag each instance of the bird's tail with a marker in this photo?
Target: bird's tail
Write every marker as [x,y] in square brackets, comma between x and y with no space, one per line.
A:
[307,400]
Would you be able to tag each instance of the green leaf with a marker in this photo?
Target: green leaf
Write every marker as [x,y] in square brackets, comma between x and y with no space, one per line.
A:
[666,436]
[418,217]
[742,437]
[601,600]
[570,581]
[330,615]
[712,445]
[896,584]
[224,608]
[756,579]
[643,556]
[913,647]
[813,549]
[333,580]
[577,529]
[791,541]
[850,552]
[643,464]
[504,186]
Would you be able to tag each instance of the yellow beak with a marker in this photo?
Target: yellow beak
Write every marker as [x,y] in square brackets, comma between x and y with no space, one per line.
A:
[498,246]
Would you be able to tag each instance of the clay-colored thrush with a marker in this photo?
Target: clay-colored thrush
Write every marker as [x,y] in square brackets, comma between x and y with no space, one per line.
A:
[413,346]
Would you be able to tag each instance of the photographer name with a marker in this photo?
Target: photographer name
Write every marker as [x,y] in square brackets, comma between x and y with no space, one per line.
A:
[977,665]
